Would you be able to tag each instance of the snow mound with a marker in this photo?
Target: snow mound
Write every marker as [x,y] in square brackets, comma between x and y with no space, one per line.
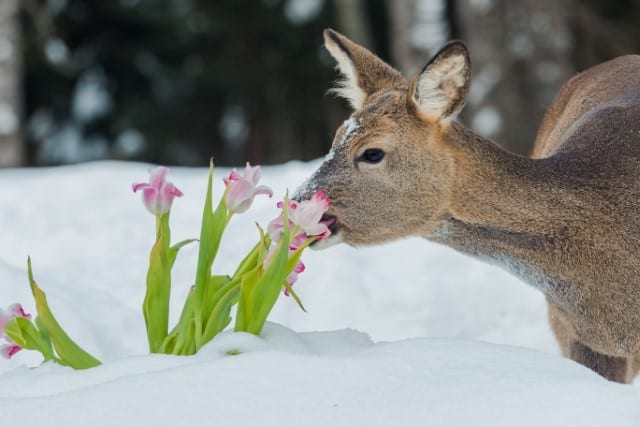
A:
[335,378]
[370,351]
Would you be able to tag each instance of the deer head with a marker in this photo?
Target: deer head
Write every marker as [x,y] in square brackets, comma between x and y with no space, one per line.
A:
[386,173]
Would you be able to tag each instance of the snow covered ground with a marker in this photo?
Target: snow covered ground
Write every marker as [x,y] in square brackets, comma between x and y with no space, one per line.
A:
[409,333]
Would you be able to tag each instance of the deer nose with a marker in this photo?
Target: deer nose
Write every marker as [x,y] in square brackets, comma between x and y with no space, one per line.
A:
[299,197]
[304,192]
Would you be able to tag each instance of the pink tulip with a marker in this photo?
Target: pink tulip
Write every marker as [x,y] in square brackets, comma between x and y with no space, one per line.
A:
[7,351]
[276,227]
[158,194]
[241,189]
[293,276]
[9,314]
[307,215]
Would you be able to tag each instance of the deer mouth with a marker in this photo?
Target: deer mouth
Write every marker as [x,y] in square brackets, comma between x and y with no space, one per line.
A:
[331,221]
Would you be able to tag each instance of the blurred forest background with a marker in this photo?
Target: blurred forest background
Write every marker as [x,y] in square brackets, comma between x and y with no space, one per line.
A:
[178,81]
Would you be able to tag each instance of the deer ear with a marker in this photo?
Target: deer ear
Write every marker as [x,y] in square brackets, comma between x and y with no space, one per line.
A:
[363,73]
[440,89]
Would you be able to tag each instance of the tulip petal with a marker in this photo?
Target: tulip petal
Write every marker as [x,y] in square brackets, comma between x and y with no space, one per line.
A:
[253,174]
[263,189]
[233,176]
[140,185]
[150,199]
[157,176]
[17,311]
[7,351]
[275,227]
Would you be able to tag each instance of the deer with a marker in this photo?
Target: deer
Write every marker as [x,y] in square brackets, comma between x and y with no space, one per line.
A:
[565,219]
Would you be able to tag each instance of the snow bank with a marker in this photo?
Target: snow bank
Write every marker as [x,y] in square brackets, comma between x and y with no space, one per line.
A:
[89,237]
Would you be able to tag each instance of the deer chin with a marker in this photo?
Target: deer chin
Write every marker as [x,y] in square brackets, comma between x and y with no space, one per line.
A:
[332,240]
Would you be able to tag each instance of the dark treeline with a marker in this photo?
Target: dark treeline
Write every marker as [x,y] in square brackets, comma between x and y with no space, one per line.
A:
[178,81]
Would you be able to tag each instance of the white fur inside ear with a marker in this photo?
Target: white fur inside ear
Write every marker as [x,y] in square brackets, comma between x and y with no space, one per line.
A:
[348,85]
[437,87]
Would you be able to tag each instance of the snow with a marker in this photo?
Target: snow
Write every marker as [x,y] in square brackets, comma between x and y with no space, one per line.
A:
[350,126]
[409,333]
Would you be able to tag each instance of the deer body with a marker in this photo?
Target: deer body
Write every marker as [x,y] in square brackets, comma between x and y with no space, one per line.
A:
[565,220]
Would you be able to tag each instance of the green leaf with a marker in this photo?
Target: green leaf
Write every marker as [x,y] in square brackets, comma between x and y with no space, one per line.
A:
[260,290]
[217,282]
[268,288]
[212,293]
[187,347]
[182,337]
[219,317]
[45,340]
[69,352]
[156,300]
[213,225]
[294,295]
[169,343]
[22,332]
[294,257]
[249,262]
[245,303]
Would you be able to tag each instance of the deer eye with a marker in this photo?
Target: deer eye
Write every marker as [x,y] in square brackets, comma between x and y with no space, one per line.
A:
[372,155]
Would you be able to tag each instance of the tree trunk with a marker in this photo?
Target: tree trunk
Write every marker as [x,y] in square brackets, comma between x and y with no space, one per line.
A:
[11,149]
[353,22]
[521,55]
[418,28]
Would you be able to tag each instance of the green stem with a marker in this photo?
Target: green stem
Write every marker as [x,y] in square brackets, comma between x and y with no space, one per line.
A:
[156,301]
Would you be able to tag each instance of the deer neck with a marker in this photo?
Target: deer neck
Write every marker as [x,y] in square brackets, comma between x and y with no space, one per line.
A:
[501,207]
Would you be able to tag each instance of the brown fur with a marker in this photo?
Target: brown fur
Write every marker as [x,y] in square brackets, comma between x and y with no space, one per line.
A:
[566,220]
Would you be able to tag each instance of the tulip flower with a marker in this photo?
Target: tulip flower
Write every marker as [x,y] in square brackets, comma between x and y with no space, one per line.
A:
[9,314]
[10,348]
[157,194]
[241,189]
[307,215]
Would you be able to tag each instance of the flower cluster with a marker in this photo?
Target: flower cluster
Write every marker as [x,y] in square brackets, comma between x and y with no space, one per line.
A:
[8,349]
[305,220]
[270,268]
